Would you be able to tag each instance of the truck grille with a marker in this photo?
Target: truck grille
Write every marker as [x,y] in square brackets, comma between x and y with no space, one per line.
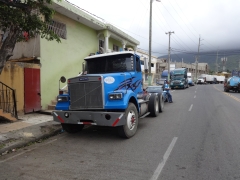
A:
[86,95]
[176,83]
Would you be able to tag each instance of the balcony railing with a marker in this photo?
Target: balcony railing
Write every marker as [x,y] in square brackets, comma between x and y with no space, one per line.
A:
[8,100]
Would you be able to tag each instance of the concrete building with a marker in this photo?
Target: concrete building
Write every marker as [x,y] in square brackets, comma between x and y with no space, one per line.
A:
[36,66]
[159,65]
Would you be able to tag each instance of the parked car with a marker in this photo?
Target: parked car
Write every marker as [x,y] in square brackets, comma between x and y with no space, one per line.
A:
[157,89]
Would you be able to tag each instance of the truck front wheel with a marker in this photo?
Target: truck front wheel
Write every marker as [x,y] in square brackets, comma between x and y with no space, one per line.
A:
[72,128]
[130,128]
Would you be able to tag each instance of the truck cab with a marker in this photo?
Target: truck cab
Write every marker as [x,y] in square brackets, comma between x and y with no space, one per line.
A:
[179,78]
[232,84]
[108,93]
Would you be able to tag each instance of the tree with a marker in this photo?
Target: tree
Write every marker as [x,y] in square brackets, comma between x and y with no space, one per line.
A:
[21,20]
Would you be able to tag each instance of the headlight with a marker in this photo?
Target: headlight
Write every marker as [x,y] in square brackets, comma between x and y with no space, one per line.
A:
[62,98]
[115,96]
[181,83]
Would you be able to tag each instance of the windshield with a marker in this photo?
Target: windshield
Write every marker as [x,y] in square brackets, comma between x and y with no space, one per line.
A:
[178,77]
[110,64]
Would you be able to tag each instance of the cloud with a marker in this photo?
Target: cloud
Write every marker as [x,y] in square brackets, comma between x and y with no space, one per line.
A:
[215,21]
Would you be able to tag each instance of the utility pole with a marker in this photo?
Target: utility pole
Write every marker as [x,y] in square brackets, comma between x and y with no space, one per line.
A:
[217,63]
[169,49]
[150,44]
[196,72]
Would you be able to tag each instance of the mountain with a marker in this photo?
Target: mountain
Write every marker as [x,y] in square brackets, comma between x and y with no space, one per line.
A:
[232,63]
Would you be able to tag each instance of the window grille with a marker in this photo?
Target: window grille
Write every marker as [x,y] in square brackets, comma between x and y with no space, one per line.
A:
[58,28]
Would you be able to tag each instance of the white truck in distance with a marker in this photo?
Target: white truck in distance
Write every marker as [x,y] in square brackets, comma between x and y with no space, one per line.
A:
[220,79]
[209,79]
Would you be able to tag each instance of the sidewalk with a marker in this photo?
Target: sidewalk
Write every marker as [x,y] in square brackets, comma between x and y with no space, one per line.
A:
[29,128]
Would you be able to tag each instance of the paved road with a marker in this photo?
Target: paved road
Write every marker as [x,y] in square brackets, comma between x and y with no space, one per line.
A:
[195,138]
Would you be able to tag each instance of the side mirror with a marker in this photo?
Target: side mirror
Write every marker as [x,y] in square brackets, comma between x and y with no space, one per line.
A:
[63,79]
[83,67]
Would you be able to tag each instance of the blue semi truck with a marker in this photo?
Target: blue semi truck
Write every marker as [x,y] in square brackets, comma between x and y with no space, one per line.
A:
[108,93]
[179,78]
[232,84]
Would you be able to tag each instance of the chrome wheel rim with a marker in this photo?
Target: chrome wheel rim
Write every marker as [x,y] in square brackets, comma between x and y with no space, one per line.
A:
[131,119]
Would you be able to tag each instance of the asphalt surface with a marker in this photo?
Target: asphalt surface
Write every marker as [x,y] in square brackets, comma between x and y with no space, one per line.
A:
[195,138]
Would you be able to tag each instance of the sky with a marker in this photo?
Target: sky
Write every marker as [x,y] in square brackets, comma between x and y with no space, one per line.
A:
[215,22]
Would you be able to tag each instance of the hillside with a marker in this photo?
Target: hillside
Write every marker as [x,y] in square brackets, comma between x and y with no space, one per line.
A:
[210,58]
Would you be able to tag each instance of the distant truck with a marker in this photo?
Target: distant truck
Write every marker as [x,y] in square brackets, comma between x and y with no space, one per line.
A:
[164,74]
[220,79]
[209,79]
[179,78]
[201,80]
[232,84]
[190,81]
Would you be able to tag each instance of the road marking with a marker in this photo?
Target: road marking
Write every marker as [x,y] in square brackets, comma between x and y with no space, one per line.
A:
[190,107]
[164,160]
[194,96]
[172,90]
[195,91]
[228,94]
[26,151]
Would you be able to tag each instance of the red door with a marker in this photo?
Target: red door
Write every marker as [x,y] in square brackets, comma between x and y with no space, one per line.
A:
[32,96]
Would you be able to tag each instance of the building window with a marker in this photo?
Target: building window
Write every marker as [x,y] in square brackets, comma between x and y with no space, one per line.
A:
[58,29]
[101,44]
[115,48]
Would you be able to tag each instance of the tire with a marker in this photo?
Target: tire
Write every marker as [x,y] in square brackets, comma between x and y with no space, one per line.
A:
[72,128]
[130,128]
[153,105]
[166,100]
[161,103]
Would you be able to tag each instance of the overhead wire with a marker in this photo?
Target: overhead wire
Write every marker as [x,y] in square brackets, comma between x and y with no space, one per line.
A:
[227,53]
[189,21]
[178,23]
[170,28]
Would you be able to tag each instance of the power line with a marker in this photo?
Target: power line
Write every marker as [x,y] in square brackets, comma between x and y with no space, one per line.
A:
[178,23]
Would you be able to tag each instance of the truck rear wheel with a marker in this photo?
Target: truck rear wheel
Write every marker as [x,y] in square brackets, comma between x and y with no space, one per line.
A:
[161,103]
[72,128]
[153,105]
[130,128]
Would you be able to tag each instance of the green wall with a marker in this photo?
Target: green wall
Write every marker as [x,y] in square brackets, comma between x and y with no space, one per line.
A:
[65,58]
[112,41]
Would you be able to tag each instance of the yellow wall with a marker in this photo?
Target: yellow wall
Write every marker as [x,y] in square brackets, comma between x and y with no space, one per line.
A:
[13,76]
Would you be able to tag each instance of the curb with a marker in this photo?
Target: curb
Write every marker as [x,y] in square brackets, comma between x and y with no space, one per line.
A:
[19,143]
